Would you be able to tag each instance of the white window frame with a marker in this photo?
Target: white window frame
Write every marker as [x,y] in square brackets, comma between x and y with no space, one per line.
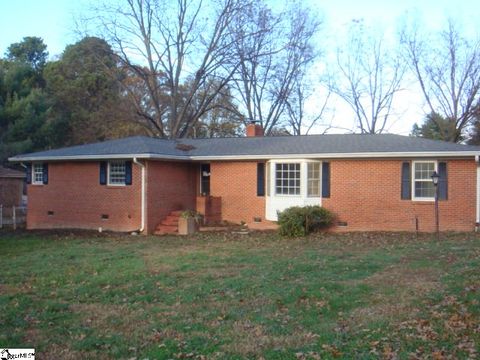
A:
[37,169]
[300,186]
[435,168]
[278,202]
[109,183]
[319,179]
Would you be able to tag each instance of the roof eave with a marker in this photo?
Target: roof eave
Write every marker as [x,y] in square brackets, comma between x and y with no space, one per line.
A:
[97,157]
[410,154]
[12,176]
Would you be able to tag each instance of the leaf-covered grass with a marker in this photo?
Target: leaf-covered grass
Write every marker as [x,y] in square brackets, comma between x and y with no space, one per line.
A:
[219,296]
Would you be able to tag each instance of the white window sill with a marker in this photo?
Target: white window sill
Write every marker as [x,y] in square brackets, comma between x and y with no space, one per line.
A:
[423,200]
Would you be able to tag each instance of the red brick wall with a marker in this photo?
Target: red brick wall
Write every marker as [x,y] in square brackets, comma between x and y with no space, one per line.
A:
[170,186]
[78,200]
[236,184]
[211,208]
[366,194]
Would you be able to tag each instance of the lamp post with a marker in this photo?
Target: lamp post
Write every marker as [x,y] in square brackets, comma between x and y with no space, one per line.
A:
[435,178]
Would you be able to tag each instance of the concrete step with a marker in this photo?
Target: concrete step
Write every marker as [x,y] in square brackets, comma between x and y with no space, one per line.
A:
[159,232]
[169,225]
[170,220]
[166,229]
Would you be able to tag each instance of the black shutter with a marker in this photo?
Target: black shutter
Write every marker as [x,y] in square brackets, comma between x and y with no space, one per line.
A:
[103,172]
[442,181]
[261,179]
[28,171]
[406,181]
[325,179]
[45,174]
[128,173]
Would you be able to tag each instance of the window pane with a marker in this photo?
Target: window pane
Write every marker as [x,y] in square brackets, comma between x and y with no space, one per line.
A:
[313,179]
[424,170]
[116,175]
[424,189]
[37,173]
[287,179]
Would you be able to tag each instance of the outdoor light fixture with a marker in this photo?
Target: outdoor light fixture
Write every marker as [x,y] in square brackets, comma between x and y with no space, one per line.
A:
[435,178]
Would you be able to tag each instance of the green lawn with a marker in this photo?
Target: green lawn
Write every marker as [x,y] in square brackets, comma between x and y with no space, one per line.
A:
[221,296]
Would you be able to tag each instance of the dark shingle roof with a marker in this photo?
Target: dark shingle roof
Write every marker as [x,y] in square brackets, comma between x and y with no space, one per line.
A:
[348,145]
[10,173]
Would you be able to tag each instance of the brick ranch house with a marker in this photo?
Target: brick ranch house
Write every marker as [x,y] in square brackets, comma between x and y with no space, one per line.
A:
[371,182]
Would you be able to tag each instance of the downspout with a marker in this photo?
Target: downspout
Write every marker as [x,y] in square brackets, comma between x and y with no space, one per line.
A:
[142,226]
[477,219]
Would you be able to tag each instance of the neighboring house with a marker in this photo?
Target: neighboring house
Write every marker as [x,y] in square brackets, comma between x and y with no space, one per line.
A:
[371,182]
[11,187]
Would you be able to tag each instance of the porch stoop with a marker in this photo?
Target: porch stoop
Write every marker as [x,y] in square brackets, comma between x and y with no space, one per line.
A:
[169,225]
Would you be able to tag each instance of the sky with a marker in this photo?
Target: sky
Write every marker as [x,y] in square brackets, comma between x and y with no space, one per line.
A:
[54,22]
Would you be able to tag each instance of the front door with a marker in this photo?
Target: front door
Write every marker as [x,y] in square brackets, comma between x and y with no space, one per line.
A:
[204,179]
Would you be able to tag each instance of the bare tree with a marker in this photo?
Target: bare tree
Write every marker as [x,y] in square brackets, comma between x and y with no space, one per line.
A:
[181,57]
[300,119]
[368,79]
[447,67]
[280,47]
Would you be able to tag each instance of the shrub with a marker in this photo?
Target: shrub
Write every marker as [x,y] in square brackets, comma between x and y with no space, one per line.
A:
[300,221]
[192,214]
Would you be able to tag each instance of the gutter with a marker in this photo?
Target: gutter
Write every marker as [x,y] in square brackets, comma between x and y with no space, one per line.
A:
[360,155]
[363,155]
[142,226]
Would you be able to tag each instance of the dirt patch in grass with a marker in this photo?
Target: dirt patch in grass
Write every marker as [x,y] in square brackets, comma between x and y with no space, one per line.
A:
[155,265]
[56,351]
[34,337]
[397,291]
[8,289]
[112,318]
[250,339]
[411,281]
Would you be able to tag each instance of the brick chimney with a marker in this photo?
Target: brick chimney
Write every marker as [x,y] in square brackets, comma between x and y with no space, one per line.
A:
[254,129]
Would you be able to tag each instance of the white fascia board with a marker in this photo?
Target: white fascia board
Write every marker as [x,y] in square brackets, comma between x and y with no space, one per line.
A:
[422,154]
[370,155]
[98,157]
